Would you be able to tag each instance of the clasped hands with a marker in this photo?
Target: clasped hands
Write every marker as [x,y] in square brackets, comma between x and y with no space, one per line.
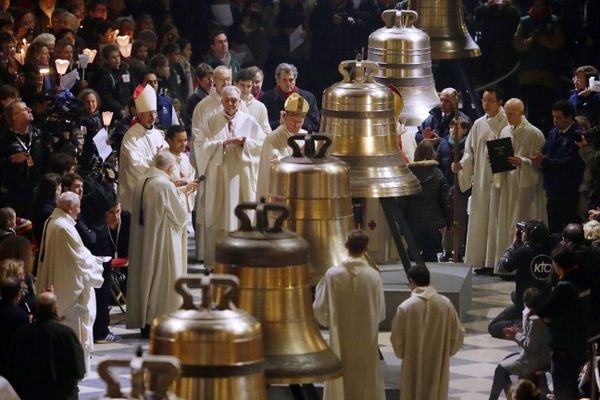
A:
[236,140]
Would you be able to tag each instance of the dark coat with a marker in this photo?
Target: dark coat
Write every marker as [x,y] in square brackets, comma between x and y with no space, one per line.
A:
[428,209]
[47,362]
[115,88]
[562,166]
[567,314]
[274,101]
[436,122]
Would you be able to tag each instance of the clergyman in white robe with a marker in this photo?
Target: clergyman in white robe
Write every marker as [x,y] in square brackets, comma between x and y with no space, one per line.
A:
[522,195]
[231,173]
[204,110]
[275,147]
[158,248]
[68,266]
[138,148]
[426,332]
[258,110]
[353,335]
[476,174]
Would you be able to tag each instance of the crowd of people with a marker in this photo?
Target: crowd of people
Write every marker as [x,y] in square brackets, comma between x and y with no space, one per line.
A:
[126,126]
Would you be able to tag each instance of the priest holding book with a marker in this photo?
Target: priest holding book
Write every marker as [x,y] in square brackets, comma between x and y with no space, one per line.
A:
[521,189]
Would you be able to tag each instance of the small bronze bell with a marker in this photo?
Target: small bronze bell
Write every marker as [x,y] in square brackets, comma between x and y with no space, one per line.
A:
[220,347]
[163,369]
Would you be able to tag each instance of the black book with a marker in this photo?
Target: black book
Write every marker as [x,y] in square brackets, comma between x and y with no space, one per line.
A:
[499,150]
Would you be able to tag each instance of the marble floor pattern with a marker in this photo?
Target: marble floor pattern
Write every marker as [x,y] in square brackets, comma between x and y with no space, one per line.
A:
[471,370]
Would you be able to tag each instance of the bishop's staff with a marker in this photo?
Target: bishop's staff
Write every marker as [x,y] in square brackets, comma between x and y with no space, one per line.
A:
[455,193]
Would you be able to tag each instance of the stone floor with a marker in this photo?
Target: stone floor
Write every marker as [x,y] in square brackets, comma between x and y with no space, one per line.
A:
[471,369]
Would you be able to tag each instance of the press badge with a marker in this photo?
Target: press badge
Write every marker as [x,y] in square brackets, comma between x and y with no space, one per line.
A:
[125,78]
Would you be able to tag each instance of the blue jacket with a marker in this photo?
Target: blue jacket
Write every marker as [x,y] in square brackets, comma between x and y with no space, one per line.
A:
[436,122]
[588,106]
[562,166]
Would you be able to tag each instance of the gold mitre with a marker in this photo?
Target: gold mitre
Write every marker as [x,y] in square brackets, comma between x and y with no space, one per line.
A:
[296,105]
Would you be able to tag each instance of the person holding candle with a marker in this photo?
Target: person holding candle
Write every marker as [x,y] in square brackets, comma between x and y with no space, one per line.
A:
[36,72]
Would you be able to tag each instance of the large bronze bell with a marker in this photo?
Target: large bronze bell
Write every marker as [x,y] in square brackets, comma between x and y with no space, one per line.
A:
[444,23]
[317,189]
[220,347]
[272,266]
[403,55]
[359,115]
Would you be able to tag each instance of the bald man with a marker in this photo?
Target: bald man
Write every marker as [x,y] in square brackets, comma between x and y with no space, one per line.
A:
[51,354]
[520,191]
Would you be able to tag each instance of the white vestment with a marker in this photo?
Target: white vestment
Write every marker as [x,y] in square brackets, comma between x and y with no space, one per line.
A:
[258,110]
[426,332]
[353,335]
[275,147]
[138,149]
[184,171]
[204,110]
[157,249]
[521,190]
[65,263]
[231,172]
[477,174]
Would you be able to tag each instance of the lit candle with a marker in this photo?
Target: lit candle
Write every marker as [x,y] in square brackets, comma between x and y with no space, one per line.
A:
[61,66]
[125,50]
[107,118]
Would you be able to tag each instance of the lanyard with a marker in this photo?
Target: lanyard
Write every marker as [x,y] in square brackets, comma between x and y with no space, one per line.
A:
[27,146]
[115,241]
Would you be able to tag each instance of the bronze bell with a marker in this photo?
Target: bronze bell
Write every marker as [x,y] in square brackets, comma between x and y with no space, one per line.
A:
[220,347]
[443,21]
[359,115]
[163,369]
[403,55]
[272,265]
[317,189]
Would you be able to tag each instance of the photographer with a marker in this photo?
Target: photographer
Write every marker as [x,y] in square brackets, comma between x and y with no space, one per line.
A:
[528,255]
[589,151]
[585,99]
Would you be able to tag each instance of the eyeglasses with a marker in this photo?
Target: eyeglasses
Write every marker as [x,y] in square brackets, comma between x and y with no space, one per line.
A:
[232,101]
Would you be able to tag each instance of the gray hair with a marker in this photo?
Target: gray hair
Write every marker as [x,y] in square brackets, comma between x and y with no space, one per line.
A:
[285,67]
[591,230]
[67,200]
[231,90]
[45,38]
[450,91]
[163,160]
[221,68]
[9,110]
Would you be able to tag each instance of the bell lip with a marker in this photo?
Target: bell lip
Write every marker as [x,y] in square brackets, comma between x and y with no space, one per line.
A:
[303,379]
[377,193]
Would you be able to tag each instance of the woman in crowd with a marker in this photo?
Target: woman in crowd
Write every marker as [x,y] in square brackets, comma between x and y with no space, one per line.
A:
[533,340]
[428,212]
[19,250]
[45,202]
[36,72]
